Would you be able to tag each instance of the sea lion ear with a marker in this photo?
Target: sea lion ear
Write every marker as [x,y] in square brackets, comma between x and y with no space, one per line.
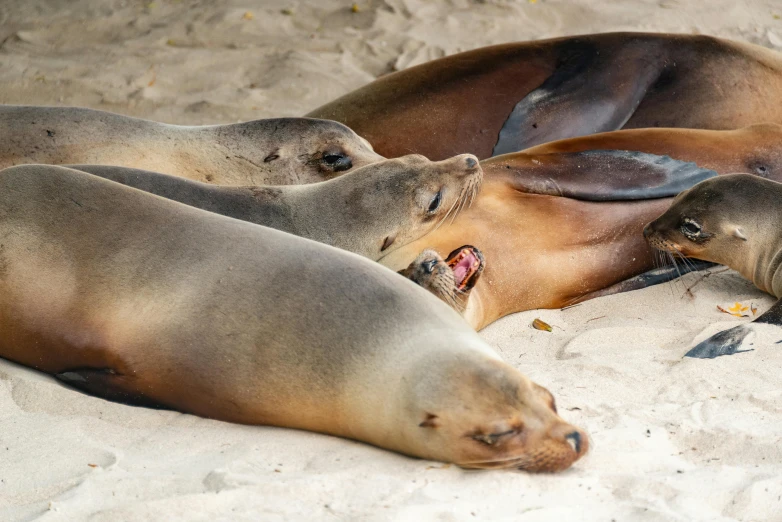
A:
[432,421]
[739,233]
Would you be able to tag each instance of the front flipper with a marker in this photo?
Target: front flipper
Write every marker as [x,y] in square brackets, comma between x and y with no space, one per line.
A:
[726,342]
[107,384]
[599,175]
[729,341]
[589,92]
[650,278]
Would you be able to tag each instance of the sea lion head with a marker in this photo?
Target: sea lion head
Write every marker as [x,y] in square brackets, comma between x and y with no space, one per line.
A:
[719,220]
[303,150]
[483,413]
[388,204]
[450,279]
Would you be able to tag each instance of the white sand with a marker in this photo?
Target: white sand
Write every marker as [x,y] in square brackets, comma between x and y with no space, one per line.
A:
[672,439]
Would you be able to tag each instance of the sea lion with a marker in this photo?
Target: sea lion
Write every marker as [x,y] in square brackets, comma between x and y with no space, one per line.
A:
[567,217]
[371,211]
[732,220]
[546,249]
[280,151]
[509,97]
[134,297]
[450,279]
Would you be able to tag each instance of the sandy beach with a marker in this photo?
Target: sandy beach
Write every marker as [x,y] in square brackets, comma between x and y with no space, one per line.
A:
[672,438]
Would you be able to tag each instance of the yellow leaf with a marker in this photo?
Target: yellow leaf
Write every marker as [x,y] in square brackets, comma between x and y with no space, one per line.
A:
[248,16]
[537,324]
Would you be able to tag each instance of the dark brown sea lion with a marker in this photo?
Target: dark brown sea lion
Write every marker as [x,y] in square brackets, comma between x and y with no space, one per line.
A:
[510,97]
[731,220]
[280,151]
[371,211]
[134,297]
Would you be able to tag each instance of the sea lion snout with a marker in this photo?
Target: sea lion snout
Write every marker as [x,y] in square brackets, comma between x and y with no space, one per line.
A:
[574,439]
[469,161]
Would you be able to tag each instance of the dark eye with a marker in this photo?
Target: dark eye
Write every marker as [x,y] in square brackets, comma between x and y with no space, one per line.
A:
[338,162]
[690,228]
[435,203]
[429,265]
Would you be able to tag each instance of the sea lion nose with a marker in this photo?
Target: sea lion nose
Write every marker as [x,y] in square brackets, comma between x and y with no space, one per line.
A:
[574,439]
[471,162]
[647,230]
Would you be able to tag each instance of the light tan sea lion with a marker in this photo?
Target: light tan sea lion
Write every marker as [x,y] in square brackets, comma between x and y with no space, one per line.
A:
[281,151]
[510,97]
[732,220]
[371,211]
[134,297]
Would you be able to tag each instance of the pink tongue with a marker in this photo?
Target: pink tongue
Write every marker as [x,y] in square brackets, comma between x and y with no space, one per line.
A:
[462,268]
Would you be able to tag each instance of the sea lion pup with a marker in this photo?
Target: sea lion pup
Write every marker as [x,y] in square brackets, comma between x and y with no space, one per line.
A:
[450,279]
[732,220]
[134,297]
[509,97]
[280,151]
[370,211]
[545,248]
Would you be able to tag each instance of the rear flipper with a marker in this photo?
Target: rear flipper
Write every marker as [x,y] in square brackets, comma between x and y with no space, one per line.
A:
[730,341]
[650,278]
[600,175]
[107,384]
[589,92]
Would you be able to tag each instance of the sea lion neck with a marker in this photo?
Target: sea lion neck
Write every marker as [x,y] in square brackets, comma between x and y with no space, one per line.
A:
[760,259]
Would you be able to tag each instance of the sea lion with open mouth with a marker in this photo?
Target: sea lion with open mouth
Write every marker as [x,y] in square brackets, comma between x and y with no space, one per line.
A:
[279,151]
[371,211]
[509,97]
[136,298]
[450,279]
[732,220]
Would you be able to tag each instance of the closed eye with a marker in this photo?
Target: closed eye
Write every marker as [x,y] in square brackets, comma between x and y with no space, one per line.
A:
[492,438]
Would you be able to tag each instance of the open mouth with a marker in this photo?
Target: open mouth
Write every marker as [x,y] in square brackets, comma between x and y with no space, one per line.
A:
[467,263]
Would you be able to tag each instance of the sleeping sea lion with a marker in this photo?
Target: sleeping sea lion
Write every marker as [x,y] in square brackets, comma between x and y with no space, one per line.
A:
[137,298]
[732,220]
[280,151]
[510,97]
[371,211]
